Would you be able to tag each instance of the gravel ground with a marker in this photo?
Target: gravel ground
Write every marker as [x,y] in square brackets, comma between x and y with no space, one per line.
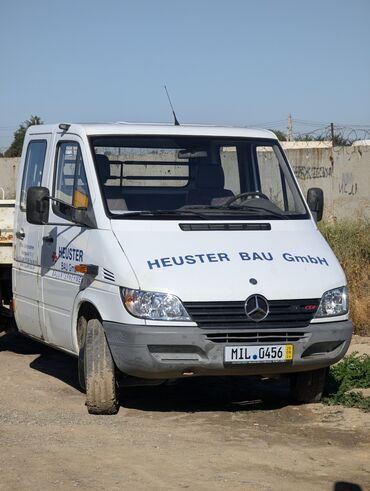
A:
[219,433]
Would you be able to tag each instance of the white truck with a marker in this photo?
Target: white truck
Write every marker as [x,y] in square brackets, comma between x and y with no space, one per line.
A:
[6,257]
[158,252]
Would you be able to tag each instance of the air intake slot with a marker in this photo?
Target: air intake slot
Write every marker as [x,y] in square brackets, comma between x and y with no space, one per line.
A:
[200,227]
[256,337]
[108,275]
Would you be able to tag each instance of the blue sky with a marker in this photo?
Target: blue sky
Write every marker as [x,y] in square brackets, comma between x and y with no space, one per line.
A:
[238,62]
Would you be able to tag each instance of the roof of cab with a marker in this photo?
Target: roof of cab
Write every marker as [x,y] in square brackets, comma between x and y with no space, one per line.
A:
[122,128]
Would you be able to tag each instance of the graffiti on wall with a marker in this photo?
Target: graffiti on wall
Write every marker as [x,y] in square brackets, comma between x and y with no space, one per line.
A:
[306,172]
[347,185]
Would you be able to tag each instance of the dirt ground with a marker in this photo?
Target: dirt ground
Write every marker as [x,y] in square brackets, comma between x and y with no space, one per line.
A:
[202,434]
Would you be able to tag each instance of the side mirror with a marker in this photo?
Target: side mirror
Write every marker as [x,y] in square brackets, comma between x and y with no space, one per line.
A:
[37,205]
[315,200]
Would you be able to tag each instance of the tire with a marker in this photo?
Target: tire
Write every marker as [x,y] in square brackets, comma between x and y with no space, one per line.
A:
[81,368]
[99,371]
[81,333]
[308,386]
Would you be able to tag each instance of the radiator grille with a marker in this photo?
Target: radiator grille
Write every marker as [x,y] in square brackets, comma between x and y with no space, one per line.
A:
[283,314]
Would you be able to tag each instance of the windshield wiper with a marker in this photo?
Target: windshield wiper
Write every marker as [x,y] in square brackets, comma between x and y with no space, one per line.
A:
[153,213]
[244,208]
[194,211]
[257,209]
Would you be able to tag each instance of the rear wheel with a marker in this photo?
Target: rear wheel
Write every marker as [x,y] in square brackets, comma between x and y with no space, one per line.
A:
[308,386]
[98,371]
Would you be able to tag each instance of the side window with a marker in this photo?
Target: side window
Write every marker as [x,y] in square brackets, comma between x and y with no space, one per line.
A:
[230,165]
[70,182]
[272,180]
[33,168]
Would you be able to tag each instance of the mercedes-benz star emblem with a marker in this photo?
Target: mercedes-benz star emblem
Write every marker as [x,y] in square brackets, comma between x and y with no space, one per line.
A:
[256,307]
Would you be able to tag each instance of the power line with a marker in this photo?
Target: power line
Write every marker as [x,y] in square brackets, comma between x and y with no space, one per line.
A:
[267,123]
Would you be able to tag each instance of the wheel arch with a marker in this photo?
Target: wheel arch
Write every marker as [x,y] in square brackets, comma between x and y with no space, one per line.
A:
[104,301]
[83,307]
[86,311]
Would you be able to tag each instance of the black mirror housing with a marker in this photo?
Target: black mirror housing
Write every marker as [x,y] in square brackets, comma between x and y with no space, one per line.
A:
[37,206]
[315,201]
[37,211]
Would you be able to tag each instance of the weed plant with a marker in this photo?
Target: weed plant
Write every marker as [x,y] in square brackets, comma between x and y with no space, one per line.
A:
[352,373]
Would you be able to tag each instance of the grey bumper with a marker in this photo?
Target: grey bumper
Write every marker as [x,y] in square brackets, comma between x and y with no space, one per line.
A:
[161,352]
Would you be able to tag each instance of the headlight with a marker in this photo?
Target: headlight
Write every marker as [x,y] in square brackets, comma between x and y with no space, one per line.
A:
[154,305]
[333,302]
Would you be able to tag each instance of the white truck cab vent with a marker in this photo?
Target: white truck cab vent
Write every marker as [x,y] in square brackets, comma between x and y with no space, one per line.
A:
[108,275]
[198,227]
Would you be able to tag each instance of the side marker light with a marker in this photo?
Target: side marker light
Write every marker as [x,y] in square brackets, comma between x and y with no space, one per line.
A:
[90,269]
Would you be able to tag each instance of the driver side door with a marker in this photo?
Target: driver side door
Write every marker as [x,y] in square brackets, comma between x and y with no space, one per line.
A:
[64,243]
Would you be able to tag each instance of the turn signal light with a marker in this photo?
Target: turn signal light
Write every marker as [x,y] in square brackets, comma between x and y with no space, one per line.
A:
[87,269]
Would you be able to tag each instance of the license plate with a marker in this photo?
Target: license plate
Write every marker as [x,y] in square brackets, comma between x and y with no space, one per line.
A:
[259,354]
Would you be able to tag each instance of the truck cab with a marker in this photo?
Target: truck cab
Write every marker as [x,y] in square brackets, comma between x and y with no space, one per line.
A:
[158,252]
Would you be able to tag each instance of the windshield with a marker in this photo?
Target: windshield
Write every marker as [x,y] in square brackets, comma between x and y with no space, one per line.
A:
[203,177]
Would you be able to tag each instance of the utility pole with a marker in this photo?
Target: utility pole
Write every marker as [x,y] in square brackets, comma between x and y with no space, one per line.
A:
[332,133]
[290,128]
[332,163]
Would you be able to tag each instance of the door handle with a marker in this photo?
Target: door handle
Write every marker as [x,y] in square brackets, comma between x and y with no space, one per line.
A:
[48,238]
[20,234]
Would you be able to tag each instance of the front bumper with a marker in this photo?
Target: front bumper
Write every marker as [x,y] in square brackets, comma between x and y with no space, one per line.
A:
[161,352]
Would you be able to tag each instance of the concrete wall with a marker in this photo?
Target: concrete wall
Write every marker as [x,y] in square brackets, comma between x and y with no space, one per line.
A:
[342,172]
[8,176]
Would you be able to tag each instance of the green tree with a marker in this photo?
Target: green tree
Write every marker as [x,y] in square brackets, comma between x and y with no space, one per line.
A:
[280,134]
[15,148]
[306,137]
[339,138]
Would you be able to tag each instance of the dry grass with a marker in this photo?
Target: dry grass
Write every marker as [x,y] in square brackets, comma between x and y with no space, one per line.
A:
[350,241]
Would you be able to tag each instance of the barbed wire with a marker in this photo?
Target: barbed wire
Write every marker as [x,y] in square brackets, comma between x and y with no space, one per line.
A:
[345,134]
[341,134]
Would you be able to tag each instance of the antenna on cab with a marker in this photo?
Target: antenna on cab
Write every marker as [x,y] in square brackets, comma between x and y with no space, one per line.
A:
[173,111]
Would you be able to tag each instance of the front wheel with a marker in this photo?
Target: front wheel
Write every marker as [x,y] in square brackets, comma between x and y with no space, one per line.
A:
[99,371]
[308,386]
